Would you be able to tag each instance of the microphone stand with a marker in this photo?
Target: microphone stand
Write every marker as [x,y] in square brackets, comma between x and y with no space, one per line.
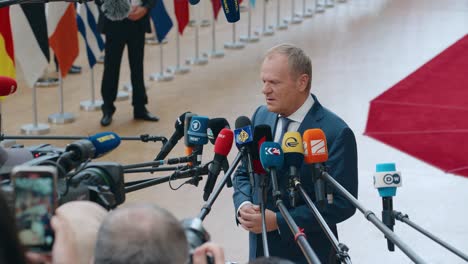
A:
[370,216]
[340,248]
[405,219]
[226,178]
[156,169]
[194,173]
[299,235]
[263,198]
[144,138]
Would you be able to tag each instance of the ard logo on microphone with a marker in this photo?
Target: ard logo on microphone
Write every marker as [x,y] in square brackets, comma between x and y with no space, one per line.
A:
[105,138]
[273,151]
[318,147]
[196,125]
[291,142]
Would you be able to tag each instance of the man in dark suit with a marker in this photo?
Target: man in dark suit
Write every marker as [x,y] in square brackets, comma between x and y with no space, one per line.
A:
[131,32]
[286,73]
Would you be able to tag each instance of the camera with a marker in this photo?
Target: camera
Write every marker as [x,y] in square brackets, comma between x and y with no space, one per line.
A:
[196,235]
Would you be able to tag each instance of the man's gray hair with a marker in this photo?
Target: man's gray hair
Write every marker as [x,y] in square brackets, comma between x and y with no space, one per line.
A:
[141,234]
[298,61]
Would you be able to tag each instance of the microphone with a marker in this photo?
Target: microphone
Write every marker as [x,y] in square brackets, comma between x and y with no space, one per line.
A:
[315,153]
[231,10]
[294,158]
[386,180]
[197,136]
[115,10]
[244,142]
[176,136]
[215,125]
[82,150]
[262,133]
[188,146]
[7,86]
[222,147]
[272,159]
[194,2]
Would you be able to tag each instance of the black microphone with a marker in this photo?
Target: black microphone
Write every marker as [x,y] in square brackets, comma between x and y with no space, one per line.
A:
[222,147]
[215,125]
[194,2]
[231,10]
[244,142]
[176,136]
[115,10]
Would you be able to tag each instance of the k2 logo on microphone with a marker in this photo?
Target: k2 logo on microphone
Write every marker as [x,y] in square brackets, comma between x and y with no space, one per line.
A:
[196,125]
[273,151]
[318,147]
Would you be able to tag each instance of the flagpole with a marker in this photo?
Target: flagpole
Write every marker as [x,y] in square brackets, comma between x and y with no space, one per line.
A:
[266,30]
[61,117]
[234,45]
[161,76]
[249,38]
[179,69]
[280,25]
[35,128]
[214,53]
[306,13]
[93,104]
[294,18]
[197,60]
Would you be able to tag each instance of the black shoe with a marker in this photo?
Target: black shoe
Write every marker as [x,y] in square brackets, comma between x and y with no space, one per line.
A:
[75,69]
[106,119]
[147,116]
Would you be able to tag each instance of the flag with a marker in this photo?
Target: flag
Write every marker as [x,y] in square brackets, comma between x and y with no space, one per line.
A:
[252,2]
[161,20]
[88,29]
[181,8]
[63,34]
[7,55]
[216,7]
[29,26]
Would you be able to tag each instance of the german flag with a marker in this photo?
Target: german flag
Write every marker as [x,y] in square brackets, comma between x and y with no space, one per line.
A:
[7,57]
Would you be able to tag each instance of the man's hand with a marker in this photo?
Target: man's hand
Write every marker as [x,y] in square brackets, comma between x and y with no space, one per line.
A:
[250,218]
[137,13]
[208,249]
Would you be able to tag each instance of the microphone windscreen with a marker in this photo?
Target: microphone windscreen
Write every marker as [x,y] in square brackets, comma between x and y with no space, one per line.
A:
[243,132]
[194,2]
[231,10]
[215,125]
[180,123]
[188,119]
[242,121]
[223,142]
[315,146]
[197,131]
[104,142]
[293,149]
[271,155]
[115,10]
[7,86]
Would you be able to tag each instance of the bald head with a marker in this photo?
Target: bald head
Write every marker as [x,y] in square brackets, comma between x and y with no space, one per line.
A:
[141,233]
[84,219]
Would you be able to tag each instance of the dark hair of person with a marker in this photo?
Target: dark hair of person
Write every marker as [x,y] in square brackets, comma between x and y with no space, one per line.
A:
[11,250]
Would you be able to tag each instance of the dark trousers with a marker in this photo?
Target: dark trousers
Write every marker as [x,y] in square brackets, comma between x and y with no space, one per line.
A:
[119,34]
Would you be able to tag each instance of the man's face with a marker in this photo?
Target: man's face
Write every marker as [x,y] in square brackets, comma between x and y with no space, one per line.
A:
[284,93]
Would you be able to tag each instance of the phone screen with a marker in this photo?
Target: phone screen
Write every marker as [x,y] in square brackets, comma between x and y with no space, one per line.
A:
[34,207]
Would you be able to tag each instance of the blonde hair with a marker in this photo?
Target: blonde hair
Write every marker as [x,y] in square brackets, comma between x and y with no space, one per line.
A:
[299,63]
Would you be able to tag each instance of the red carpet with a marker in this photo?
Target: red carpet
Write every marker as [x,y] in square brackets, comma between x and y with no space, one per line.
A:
[426,113]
